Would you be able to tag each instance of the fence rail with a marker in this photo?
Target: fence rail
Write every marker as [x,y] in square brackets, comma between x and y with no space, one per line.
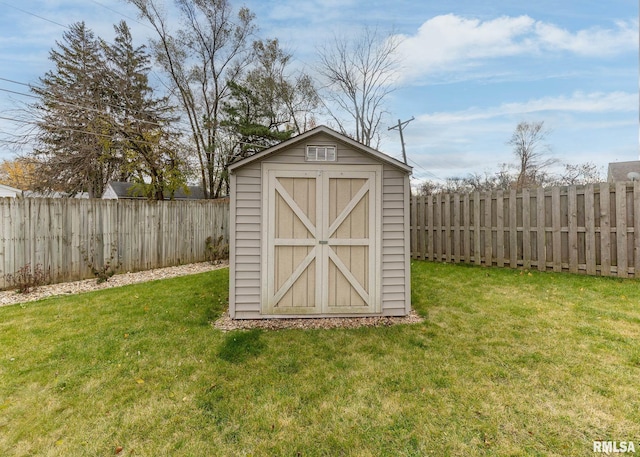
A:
[593,229]
[62,235]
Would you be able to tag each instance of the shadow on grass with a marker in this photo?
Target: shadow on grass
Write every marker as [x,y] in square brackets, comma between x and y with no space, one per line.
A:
[238,346]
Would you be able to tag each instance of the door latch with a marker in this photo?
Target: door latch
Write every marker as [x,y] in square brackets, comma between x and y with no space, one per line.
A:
[323,242]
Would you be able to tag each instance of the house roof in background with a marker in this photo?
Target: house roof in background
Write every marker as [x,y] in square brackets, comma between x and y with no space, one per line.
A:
[619,171]
[53,194]
[124,190]
[10,189]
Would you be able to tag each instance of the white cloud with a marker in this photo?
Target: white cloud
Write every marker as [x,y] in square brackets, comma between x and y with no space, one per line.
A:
[580,102]
[595,41]
[449,42]
[449,38]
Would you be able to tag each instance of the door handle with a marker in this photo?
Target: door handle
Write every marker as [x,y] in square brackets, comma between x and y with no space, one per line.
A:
[323,242]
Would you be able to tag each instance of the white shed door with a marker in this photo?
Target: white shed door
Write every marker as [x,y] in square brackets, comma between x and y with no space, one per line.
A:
[321,240]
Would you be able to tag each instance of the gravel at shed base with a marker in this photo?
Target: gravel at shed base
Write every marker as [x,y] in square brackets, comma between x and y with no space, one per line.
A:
[11,297]
[225,323]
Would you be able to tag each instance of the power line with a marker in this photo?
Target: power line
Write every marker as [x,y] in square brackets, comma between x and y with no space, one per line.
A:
[174,125]
[72,130]
[425,170]
[62,102]
[17,93]
[67,129]
[178,126]
[121,14]
[66,26]
[73,105]
[34,15]
[14,82]
[400,125]
[183,129]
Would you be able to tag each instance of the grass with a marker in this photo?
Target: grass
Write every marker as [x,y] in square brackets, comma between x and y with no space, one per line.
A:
[507,363]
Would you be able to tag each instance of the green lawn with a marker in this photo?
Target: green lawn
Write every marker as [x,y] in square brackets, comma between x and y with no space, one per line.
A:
[506,363]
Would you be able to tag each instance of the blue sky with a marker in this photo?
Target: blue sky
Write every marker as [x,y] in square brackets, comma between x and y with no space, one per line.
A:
[470,69]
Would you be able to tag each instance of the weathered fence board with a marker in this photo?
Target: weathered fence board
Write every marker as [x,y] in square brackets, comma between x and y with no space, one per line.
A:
[64,235]
[592,229]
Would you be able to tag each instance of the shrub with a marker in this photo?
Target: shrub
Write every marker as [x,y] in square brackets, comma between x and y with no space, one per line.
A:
[105,271]
[26,279]
[216,250]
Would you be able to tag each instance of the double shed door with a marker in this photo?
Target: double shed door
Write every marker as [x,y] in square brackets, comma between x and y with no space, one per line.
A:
[321,248]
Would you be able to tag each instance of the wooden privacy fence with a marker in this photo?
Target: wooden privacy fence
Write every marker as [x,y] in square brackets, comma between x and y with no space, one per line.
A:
[593,229]
[63,235]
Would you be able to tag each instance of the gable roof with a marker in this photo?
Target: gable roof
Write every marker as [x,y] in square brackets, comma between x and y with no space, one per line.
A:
[124,190]
[53,194]
[8,190]
[619,171]
[326,130]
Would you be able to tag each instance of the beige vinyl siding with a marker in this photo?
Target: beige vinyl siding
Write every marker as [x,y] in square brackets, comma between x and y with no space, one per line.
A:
[246,281]
[346,154]
[245,278]
[395,301]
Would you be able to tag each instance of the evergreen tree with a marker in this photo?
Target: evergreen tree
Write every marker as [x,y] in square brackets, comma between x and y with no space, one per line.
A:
[74,152]
[100,121]
[252,122]
[141,121]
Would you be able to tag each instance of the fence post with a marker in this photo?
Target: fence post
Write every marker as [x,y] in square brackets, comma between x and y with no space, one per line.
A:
[448,252]
[437,234]
[456,228]
[430,228]
[636,229]
[621,229]
[573,229]
[541,230]
[513,229]
[414,228]
[477,257]
[526,229]
[557,231]
[488,229]
[466,222]
[605,230]
[422,230]
[500,228]
[590,229]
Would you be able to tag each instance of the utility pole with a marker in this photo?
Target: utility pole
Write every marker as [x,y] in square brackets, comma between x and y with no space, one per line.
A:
[399,127]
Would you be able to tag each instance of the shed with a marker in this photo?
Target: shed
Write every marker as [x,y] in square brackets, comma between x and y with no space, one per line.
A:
[319,228]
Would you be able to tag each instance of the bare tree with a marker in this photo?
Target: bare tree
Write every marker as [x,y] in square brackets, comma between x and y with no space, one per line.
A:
[428,187]
[531,152]
[358,76]
[289,97]
[200,59]
[581,173]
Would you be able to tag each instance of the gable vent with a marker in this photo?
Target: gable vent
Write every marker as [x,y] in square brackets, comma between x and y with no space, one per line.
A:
[323,153]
